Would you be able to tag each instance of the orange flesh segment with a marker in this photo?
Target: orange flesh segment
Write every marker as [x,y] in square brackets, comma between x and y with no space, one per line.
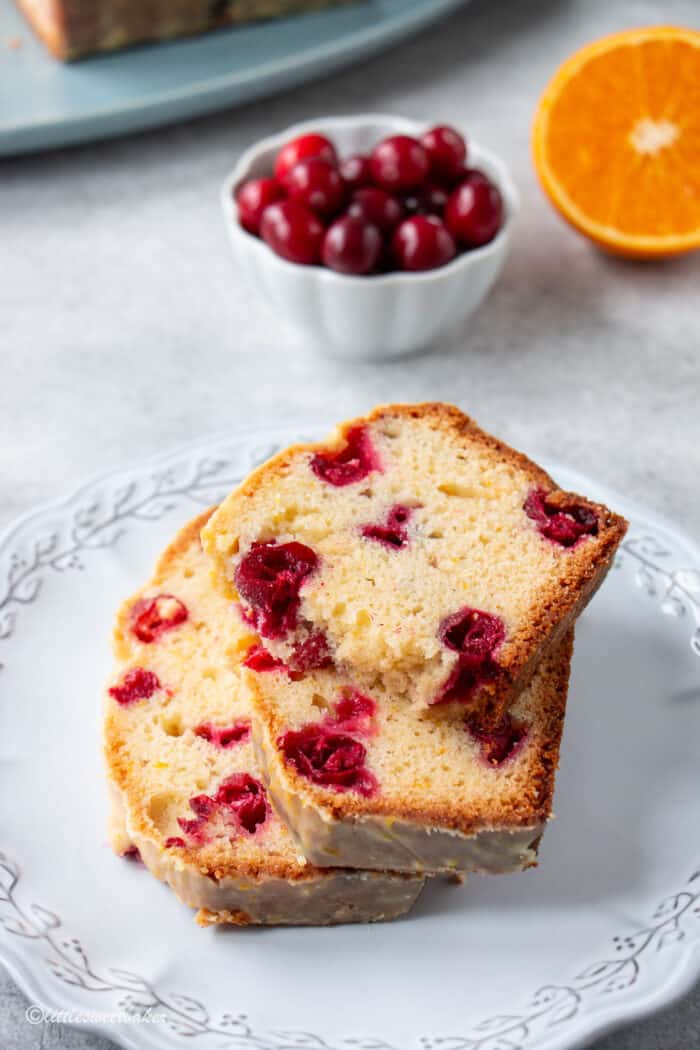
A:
[617,141]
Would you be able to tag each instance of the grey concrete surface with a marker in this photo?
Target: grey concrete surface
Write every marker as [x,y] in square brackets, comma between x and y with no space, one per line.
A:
[125,330]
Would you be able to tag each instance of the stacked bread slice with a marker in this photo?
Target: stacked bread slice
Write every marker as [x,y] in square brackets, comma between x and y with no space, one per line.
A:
[392,613]
[425,556]
[185,786]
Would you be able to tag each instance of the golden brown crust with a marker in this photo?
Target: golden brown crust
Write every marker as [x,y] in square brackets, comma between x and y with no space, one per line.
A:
[189,534]
[445,417]
[531,805]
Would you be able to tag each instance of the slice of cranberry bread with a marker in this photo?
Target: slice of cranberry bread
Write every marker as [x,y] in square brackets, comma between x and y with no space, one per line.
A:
[73,28]
[414,551]
[370,781]
[186,787]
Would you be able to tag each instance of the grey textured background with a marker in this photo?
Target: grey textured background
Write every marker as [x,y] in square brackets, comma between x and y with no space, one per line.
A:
[125,330]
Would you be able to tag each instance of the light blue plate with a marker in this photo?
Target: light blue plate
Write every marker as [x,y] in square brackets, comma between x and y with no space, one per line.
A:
[44,103]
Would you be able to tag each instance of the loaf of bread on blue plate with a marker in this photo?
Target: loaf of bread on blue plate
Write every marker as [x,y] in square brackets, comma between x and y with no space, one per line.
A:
[74,28]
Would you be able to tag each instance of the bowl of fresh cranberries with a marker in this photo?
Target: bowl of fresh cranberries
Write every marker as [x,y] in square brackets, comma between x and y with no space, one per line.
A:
[374,236]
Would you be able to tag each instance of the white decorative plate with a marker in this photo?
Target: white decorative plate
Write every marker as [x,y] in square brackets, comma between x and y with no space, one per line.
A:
[605,930]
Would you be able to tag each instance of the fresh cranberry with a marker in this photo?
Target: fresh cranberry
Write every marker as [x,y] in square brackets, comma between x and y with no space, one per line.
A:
[356,171]
[223,737]
[394,533]
[151,616]
[328,758]
[378,207]
[269,578]
[564,525]
[259,659]
[351,246]
[422,243]
[500,743]
[399,164]
[433,199]
[474,210]
[292,231]
[137,684]
[458,177]
[447,151]
[311,654]
[317,185]
[428,200]
[352,463]
[174,840]
[252,198]
[246,798]
[303,148]
[475,636]
[386,261]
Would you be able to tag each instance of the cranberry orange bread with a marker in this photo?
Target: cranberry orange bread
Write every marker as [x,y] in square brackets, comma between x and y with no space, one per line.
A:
[73,28]
[371,781]
[412,551]
[186,787]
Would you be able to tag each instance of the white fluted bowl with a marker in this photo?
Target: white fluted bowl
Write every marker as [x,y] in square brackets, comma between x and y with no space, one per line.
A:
[382,316]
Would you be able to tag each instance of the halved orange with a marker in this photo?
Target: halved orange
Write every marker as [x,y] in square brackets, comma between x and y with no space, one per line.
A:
[616,141]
